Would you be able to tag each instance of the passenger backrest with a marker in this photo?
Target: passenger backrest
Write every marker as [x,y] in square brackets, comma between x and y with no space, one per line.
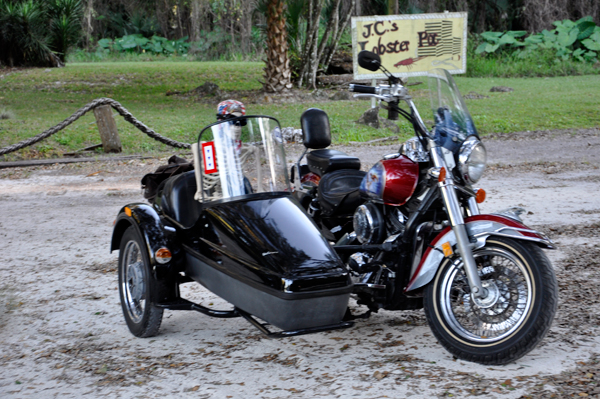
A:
[315,128]
[177,199]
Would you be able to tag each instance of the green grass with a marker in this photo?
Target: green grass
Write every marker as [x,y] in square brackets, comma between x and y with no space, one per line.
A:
[564,102]
[40,98]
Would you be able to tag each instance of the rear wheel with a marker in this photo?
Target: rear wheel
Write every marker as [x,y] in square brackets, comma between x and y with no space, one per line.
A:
[512,319]
[137,288]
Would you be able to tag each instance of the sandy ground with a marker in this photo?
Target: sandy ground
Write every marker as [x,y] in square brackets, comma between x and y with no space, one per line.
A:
[62,333]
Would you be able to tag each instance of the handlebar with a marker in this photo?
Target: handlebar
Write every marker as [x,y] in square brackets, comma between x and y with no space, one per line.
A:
[363,89]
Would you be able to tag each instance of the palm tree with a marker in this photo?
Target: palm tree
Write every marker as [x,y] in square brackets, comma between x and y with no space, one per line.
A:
[65,27]
[23,37]
[277,71]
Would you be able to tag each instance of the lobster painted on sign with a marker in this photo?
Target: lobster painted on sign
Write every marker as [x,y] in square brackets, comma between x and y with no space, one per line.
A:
[408,62]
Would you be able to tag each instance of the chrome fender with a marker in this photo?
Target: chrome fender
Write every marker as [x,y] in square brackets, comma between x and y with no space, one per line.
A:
[479,228]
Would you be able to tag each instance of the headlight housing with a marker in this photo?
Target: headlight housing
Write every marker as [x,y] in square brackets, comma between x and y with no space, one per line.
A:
[472,160]
[368,224]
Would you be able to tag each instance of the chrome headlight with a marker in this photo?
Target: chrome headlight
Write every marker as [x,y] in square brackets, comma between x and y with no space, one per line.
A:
[472,160]
[368,224]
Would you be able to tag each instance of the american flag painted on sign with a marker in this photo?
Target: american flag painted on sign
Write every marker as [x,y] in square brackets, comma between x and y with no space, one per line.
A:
[446,43]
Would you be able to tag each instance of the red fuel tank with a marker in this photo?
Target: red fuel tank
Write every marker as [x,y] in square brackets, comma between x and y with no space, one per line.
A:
[391,181]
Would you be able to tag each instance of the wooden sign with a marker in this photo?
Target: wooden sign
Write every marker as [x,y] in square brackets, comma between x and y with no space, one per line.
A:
[412,44]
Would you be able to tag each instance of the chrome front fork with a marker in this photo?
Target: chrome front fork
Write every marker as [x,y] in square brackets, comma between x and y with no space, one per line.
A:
[457,222]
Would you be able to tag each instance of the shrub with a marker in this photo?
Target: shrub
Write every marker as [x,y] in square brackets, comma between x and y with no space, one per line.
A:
[65,25]
[23,38]
[137,43]
[578,40]
[36,32]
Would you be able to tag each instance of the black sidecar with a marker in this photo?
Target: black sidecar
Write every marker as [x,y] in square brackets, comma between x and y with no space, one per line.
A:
[233,226]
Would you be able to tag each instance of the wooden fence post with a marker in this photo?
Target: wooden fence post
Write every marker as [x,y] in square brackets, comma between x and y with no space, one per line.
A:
[108,129]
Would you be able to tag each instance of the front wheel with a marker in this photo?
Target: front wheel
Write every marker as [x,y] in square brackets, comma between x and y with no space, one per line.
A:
[137,288]
[511,320]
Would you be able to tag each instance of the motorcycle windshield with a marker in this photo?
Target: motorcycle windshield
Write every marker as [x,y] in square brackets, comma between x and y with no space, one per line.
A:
[242,156]
[453,123]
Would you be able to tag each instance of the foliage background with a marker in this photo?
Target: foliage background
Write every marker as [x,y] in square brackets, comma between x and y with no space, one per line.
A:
[235,29]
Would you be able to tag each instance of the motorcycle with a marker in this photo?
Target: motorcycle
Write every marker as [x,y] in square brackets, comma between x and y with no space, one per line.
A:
[235,225]
[412,235]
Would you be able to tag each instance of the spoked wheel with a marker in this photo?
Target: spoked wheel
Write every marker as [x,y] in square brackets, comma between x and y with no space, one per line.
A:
[137,287]
[511,320]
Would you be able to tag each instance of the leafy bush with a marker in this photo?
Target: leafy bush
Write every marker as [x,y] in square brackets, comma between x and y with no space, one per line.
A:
[65,25]
[578,40]
[35,32]
[137,43]
[23,38]
[213,45]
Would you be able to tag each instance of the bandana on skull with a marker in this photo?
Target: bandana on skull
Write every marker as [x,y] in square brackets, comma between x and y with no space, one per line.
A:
[230,109]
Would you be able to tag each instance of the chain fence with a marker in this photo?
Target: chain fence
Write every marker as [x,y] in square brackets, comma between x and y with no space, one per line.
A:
[82,111]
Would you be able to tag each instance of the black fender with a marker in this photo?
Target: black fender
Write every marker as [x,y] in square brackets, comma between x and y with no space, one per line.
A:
[148,224]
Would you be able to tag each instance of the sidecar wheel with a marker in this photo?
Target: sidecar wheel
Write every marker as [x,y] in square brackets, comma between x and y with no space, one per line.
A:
[137,287]
[508,323]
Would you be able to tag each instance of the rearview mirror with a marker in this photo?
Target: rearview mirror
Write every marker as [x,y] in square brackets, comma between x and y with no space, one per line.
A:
[369,60]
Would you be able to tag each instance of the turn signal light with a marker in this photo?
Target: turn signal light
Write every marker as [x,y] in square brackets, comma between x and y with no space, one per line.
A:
[479,195]
[447,248]
[442,175]
[163,255]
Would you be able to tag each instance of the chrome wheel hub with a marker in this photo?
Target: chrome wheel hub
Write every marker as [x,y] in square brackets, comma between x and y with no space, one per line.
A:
[491,298]
[133,280]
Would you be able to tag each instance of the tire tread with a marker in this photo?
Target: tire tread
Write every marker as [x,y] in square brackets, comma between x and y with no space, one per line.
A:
[535,333]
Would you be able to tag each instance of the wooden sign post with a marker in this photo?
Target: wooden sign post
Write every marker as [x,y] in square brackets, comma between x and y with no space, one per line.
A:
[108,129]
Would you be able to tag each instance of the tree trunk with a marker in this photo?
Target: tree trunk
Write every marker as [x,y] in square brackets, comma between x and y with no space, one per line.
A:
[332,25]
[392,7]
[316,54]
[326,60]
[195,21]
[310,61]
[277,71]
[87,23]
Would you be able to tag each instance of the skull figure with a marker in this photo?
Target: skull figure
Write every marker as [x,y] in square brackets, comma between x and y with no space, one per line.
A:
[229,109]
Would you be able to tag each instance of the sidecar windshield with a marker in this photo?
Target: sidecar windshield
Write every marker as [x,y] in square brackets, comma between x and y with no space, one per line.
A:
[242,156]
[453,123]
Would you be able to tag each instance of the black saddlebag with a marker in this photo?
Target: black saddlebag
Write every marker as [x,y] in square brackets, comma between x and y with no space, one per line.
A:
[339,192]
[152,181]
[267,258]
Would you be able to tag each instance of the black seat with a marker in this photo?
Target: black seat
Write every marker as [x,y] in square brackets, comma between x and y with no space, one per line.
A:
[316,135]
[339,192]
[326,160]
[176,199]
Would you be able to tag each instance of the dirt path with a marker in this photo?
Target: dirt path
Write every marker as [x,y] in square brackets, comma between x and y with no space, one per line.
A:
[62,333]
